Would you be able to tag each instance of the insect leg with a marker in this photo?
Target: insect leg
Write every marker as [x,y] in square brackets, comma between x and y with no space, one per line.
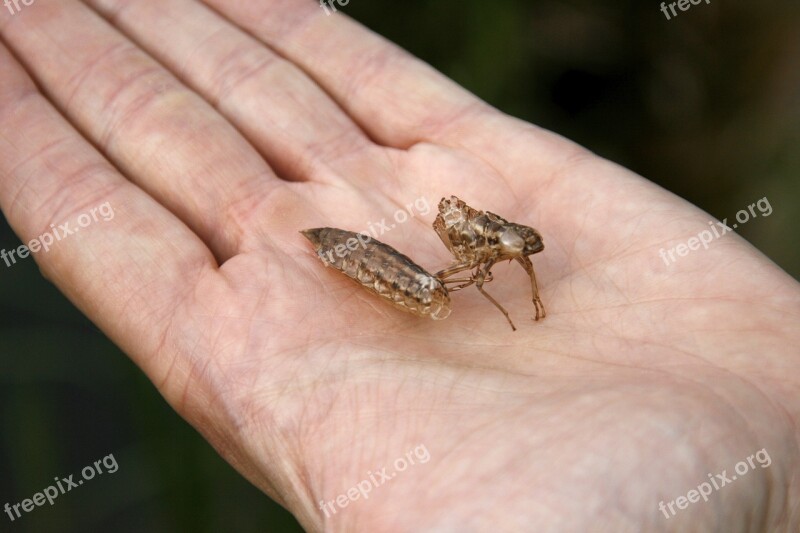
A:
[537,302]
[465,282]
[479,283]
[455,269]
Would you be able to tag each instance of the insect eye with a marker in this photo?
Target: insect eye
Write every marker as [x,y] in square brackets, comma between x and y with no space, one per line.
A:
[535,243]
[511,240]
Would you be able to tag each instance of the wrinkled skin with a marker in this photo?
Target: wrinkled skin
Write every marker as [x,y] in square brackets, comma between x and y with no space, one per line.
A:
[643,378]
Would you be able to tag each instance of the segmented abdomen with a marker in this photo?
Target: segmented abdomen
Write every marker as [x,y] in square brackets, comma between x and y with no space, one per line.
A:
[383,270]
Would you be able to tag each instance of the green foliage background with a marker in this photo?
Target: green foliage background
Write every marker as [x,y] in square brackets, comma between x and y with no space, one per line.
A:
[706,104]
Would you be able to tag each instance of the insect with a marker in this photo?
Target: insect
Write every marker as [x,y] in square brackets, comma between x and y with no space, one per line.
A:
[480,239]
[383,270]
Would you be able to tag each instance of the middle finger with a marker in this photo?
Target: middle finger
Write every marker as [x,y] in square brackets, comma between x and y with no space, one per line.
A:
[298,128]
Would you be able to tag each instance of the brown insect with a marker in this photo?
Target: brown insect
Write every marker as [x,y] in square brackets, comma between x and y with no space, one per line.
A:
[383,270]
[480,239]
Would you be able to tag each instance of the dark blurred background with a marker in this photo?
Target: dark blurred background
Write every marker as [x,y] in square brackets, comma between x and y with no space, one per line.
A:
[706,104]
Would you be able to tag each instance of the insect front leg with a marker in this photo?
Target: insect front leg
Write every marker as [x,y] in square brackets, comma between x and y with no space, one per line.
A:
[465,282]
[537,302]
[480,278]
[455,269]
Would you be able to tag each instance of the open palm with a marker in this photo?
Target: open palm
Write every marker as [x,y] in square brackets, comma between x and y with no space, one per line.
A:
[217,131]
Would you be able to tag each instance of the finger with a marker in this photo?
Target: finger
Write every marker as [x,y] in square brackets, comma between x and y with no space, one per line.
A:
[298,128]
[127,269]
[404,103]
[293,122]
[397,98]
[160,134]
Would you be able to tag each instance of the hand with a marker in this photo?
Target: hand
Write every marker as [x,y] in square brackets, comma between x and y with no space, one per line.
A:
[219,131]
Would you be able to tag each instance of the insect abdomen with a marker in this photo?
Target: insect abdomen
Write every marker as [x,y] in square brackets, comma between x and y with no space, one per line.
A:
[383,270]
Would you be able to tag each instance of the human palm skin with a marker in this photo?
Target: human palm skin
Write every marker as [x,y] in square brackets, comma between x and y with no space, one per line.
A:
[642,380]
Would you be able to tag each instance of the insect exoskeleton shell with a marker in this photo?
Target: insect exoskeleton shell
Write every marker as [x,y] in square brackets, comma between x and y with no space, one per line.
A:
[382,270]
